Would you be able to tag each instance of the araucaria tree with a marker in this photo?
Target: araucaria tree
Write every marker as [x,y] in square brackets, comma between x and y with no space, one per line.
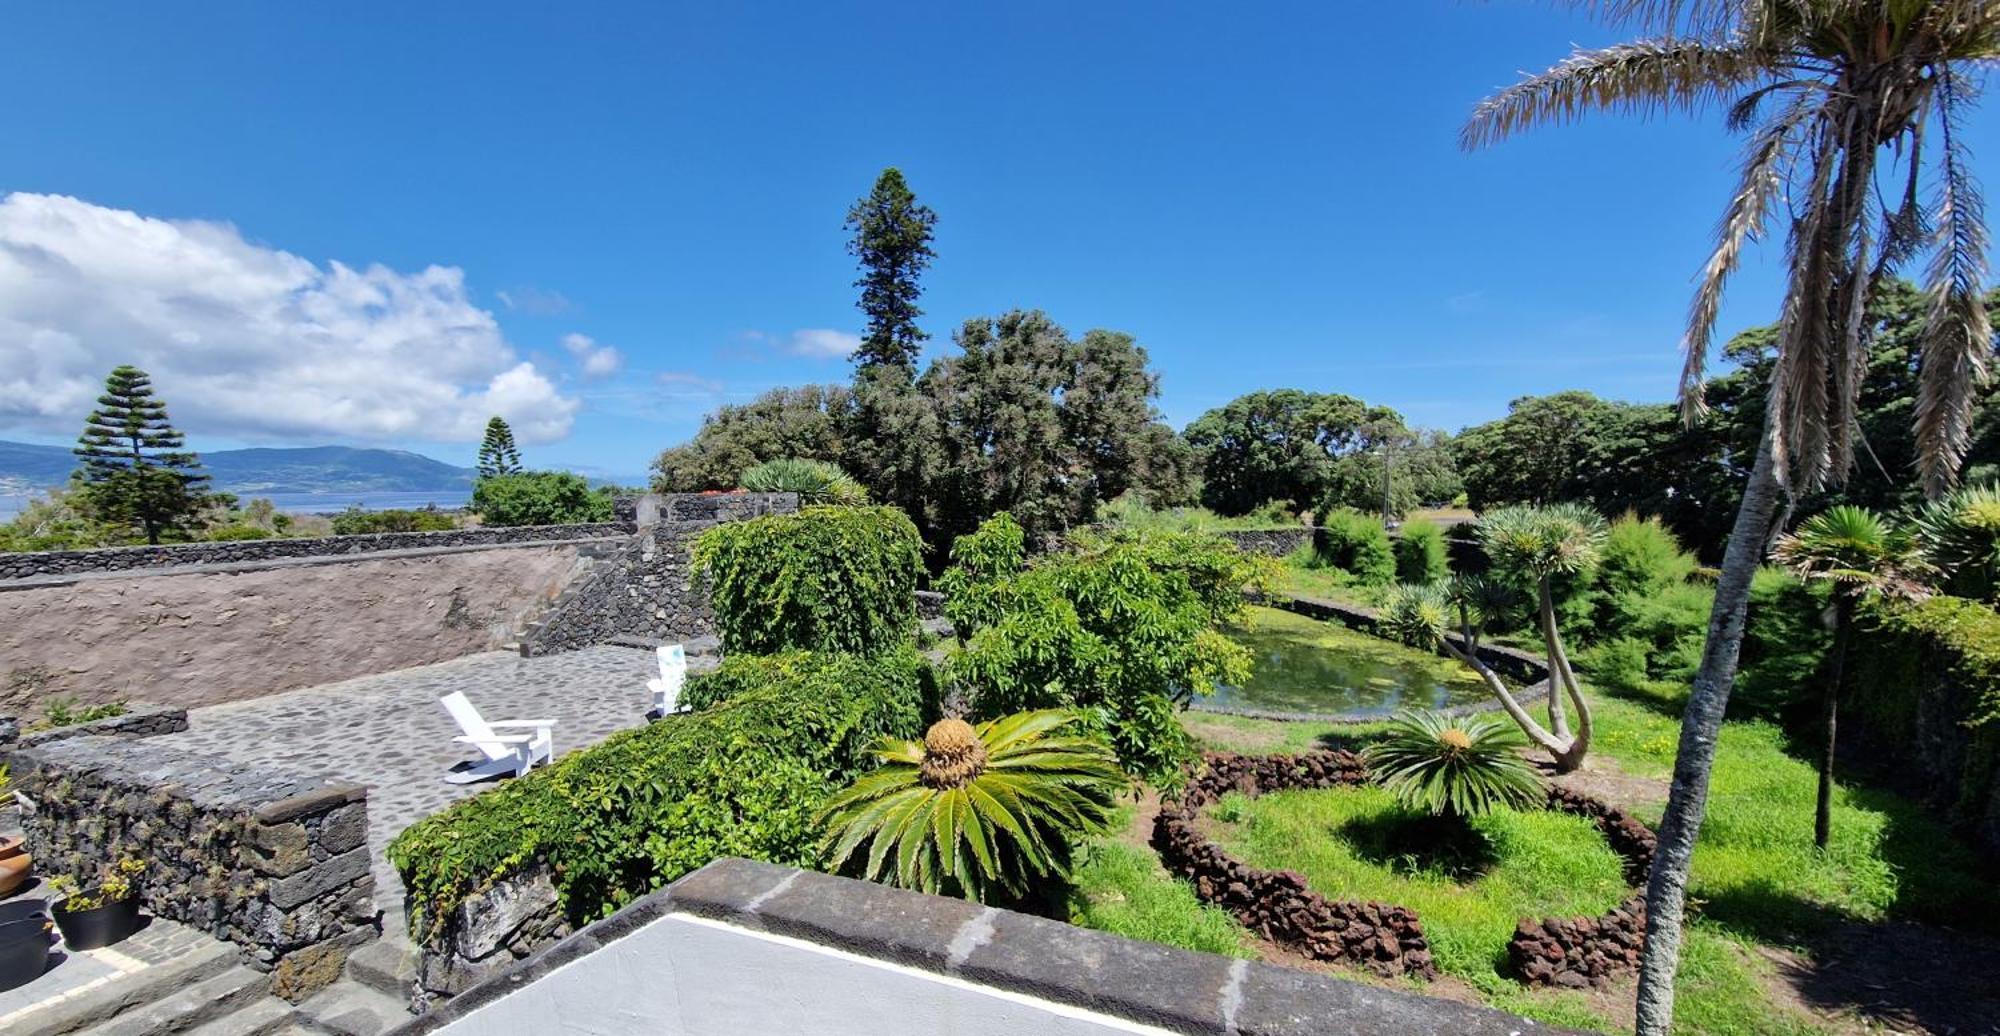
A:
[497,453]
[1860,554]
[135,470]
[892,239]
[1543,544]
[1853,109]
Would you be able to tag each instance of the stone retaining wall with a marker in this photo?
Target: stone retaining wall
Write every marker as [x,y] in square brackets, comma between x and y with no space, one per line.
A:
[170,555]
[1387,940]
[1578,952]
[275,862]
[1275,543]
[137,721]
[510,919]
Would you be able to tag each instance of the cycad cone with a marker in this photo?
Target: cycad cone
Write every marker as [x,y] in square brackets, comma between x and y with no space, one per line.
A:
[1455,740]
[953,754]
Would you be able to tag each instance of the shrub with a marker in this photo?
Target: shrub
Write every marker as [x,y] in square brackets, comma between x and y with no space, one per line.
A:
[1641,556]
[1460,767]
[815,481]
[1420,554]
[1356,544]
[821,579]
[1620,662]
[981,562]
[1123,627]
[235,531]
[623,817]
[978,813]
[540,498]
[65,711]
[59,520]
[1784,639]
[356,522]
[907,686]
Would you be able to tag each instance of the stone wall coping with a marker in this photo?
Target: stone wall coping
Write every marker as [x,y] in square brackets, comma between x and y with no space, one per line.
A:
[144,763]
[138,720]
[1187,992]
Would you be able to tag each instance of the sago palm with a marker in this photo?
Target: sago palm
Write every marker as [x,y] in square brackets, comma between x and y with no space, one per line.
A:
[1960,537]
[1459,768]
[815,481]
[1853,110]
[976,812]
[1860,553]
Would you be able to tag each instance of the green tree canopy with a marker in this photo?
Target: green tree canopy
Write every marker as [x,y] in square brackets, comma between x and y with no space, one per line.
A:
[135,470]
[892,240]
[1287,444]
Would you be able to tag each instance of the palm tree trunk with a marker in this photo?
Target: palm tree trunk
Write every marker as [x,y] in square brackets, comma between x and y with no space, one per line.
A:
[1666,889]
[1843,617]
[1558,664]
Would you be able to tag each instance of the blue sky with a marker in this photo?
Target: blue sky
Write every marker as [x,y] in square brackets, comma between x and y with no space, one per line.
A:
[1266,195]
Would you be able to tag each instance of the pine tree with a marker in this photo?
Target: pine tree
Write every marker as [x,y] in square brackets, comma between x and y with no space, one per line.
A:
[135,470]
[497,455]
[892,238]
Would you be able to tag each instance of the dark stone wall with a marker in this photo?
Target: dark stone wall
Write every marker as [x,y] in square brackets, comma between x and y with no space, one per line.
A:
[1276,543]
[138,721]
[273,861]
[1579,952]
[118,559]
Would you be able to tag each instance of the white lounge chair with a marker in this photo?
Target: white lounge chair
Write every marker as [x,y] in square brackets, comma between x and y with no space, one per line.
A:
[667,687]
[505,753]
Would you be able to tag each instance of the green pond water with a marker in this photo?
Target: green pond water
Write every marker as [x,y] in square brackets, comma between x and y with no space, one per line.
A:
[1305,665]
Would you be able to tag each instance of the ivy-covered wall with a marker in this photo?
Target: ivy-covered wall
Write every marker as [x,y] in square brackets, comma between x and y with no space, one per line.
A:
[1922,707]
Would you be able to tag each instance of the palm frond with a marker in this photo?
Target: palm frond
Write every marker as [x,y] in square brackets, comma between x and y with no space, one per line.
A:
[1644,77]
[1957,332]
[1462,767]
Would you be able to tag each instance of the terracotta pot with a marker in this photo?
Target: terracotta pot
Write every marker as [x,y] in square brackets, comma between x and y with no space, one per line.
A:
[11,845]
[14,872]
[97,926]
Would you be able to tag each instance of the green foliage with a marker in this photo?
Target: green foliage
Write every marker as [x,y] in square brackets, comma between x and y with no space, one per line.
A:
[982,813]
[1124,627]
[1641,556]
[1960,537]
[1420,554]
[1784,639]
[892,240]
[540,498]
[1134,510]
[1856,550]
[356,522]
[623,817]
[976,587]
[1356,544]
[113,884]
[812,421]
[816,482]
[1283,445]
[235,531]
[57,520]
[65,711]
[135,471]
[1119,888]
[822,579]
[497,453]
[905,685]
[1461,767]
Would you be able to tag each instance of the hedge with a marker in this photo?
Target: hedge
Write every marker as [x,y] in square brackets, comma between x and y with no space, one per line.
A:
[645,806]
[821,579]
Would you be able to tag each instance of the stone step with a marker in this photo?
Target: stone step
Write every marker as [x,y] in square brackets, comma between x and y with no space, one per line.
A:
[266,1016]
[190,1005]
[348,1008]
[133,991]
[387,966]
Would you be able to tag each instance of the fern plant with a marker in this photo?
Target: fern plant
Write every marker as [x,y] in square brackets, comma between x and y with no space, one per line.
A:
[976,812]
[1453,767]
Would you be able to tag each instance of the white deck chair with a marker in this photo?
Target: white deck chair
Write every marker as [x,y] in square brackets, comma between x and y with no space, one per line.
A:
[506,753]
[667,688]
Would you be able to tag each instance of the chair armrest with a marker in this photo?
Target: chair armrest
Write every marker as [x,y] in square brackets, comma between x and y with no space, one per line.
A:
[523,723]
[497,739]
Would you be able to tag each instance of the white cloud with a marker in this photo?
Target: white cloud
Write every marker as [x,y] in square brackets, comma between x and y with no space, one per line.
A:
[529,299]
[688,383]
[822,343]
[244,340]
[597,360]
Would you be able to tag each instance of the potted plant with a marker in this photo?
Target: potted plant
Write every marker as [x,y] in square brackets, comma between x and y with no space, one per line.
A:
[24,942]
[101,914]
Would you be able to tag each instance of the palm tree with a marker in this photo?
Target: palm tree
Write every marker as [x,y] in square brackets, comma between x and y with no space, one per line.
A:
[976,812]
[1861,555]
[1452,767]
[1960,537]
[1839,96]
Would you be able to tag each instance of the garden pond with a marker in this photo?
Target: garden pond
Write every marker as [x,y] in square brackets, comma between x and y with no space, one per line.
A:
[1305,666]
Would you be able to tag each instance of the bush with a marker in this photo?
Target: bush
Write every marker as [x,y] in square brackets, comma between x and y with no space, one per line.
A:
[838,579]
[540,498]
[58,520]
[356,522]
[815,481]
[1123,627]
[1356,544]
[1784,638]
[624,817]
[908,687]
[981,562]
[1640,556]
[1420,554]
[235,531]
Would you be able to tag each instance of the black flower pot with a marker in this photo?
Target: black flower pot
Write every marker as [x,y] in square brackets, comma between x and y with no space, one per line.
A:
[23,909]
[24,951]
[97,926]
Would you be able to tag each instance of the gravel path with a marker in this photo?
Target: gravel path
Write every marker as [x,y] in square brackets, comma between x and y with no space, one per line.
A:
[388,732]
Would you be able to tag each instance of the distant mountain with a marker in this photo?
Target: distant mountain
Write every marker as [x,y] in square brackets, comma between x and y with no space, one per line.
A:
[25,468]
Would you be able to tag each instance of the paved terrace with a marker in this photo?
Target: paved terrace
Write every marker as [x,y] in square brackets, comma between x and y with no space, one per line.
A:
[389,733]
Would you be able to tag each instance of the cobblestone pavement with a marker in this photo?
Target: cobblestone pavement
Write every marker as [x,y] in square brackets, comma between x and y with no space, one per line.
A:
[103,974]
[388,731]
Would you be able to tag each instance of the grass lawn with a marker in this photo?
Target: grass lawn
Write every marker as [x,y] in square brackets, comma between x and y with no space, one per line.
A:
[1757,879]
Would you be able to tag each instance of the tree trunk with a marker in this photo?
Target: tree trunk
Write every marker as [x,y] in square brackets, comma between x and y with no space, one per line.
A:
[1843,618]
[1666,889]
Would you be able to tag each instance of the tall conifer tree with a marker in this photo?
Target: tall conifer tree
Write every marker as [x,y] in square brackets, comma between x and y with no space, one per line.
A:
[892,239]
[497,454]
[136,470]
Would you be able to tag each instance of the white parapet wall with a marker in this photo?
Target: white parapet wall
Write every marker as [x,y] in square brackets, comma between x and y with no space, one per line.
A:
[750,948]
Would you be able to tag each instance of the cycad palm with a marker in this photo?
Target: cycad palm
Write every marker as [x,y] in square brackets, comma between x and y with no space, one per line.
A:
[1860,554]
[1960,537]
[1839,96]
[975,812]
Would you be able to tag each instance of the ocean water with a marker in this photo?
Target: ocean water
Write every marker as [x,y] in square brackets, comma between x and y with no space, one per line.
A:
[316,503]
